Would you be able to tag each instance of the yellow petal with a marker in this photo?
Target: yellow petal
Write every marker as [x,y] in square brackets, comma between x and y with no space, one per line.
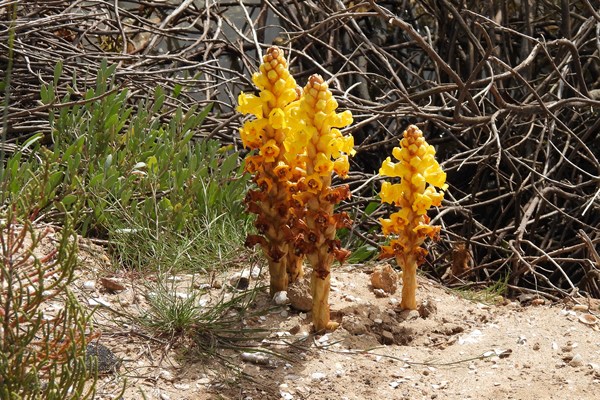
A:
[277,118]
[250,104]
[387,168]
[323,165]
[341,166]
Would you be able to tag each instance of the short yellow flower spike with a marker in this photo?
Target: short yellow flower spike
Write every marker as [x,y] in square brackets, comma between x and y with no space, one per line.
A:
[322,145]
[274,173]
[420,175]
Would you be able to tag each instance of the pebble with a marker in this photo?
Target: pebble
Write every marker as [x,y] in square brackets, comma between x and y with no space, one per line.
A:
[255,358]
[281,298]
[166,375]
[113,284]
[181,386]
[384,277]
[580,307]
[286,395]
[300,295]
[538,302]
[387,337]
[164,396]
[89,286]
[318,376]
[471,338]
[576,361]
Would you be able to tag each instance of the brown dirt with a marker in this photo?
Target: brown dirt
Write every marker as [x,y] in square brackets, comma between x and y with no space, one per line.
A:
[453,349]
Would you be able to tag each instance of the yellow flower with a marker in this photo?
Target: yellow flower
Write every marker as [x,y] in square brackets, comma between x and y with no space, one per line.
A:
[277,118]
[341,166]
[313,183]
[391,193]
[323,164]
[253,133]
[269,150]
[253,164]
[283,171]
[265,184]
[250,104]
[388,168]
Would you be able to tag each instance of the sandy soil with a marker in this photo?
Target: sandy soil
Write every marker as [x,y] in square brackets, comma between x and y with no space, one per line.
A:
[454,348]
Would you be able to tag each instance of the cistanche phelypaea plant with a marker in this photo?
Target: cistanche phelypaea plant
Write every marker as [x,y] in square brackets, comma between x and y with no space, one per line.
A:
[324,150]
[420,175]
[273,173]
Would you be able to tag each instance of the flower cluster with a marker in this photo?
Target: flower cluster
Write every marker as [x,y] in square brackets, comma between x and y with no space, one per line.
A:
[420,175]
[272,171]
[317,141]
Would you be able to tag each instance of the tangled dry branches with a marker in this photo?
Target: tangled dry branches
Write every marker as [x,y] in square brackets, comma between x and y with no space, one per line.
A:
[508,91]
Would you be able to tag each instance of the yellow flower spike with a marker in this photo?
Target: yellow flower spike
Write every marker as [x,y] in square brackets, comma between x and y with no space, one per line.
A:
[274,171]
[419,175]
[319,225]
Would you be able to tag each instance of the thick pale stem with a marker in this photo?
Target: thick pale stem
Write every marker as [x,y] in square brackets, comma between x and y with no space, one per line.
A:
[320,285]
[295,271]
[409,282]
[279,276]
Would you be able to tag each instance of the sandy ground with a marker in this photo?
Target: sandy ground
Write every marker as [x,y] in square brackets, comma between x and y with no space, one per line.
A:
[454,348]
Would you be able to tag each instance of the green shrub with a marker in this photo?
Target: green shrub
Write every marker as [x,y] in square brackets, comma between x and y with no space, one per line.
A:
[42,349]
[140,175]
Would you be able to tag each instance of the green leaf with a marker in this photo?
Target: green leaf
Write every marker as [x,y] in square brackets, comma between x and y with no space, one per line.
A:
[107,163]
[69,199]
[371,207]
[57,72]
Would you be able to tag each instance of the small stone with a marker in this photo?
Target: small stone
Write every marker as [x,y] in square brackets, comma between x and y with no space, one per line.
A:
[380,293]
[217,284]
[387,337]
[286,395]
[255,358]
[299,295]
[536,346]
[113,284]
[384,277]
[281,298]
[576,361]
[255,272]
[89,286]
[164,396]
[181,386]
[538,302]
[318,376]
[167,375]
[426,308]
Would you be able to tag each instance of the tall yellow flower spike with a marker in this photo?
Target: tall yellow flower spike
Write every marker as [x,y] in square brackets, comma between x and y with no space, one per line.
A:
[272,171]
[316,224]
[419,175]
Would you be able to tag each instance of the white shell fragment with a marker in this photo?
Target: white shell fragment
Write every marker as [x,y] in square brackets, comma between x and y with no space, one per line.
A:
[588,319]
